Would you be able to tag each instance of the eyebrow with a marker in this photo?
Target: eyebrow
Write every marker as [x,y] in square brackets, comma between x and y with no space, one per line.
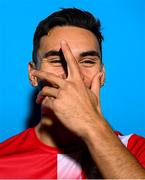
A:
[52,53]
[82,54]
[90,53]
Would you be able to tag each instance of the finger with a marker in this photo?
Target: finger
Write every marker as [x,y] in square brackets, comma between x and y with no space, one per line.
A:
[72,66]
[46,91]
[48,102]
[49,91]
[96,84]
[49,77]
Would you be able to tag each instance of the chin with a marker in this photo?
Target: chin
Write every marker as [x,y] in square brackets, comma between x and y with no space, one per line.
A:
[48,114]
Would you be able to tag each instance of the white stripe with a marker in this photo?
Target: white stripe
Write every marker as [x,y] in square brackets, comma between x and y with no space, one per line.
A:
[125,139]
[68,166]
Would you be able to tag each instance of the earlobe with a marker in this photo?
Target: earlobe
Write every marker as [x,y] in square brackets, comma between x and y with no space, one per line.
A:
[32,78]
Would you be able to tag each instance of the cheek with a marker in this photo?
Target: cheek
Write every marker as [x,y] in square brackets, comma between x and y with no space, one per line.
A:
[51,69]
[88,74]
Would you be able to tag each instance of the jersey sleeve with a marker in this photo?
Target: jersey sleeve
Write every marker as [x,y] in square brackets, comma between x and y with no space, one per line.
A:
[136,145]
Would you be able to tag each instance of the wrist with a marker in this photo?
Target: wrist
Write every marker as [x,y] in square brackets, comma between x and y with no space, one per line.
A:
[100,134]
[95,128]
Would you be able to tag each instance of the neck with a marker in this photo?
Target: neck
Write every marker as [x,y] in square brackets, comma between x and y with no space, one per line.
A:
[51,132]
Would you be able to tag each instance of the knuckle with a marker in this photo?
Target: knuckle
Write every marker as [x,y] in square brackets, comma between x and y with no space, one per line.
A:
[69,85]
[61,93]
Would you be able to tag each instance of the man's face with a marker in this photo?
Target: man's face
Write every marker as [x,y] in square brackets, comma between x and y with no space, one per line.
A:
[84,47]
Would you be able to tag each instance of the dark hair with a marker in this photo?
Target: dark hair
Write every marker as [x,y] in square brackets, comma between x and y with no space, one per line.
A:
[67,17]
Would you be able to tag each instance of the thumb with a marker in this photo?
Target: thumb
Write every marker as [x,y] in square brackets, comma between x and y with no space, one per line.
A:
[95,88]
[96,84]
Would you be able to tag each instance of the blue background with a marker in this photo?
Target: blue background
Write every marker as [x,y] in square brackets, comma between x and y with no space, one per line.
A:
[123,26]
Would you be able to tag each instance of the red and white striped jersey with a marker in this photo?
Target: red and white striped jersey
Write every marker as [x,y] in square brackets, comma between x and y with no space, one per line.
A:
[25,156]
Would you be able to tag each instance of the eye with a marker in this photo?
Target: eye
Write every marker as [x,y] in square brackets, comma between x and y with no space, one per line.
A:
[88,62]
[53,61]
[58,61]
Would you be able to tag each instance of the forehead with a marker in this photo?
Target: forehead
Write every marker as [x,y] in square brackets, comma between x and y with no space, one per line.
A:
[79,39]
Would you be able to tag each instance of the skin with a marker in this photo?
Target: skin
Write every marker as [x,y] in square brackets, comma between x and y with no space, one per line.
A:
[88,66]
[73,100]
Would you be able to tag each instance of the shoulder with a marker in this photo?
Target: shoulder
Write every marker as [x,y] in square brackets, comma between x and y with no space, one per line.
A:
[16,142]
[136,145]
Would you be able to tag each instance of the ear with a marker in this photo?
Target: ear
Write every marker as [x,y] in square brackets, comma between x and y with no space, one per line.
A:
[32,78]
[102,79]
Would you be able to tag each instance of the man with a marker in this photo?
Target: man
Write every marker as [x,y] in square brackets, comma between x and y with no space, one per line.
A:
[72,140]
